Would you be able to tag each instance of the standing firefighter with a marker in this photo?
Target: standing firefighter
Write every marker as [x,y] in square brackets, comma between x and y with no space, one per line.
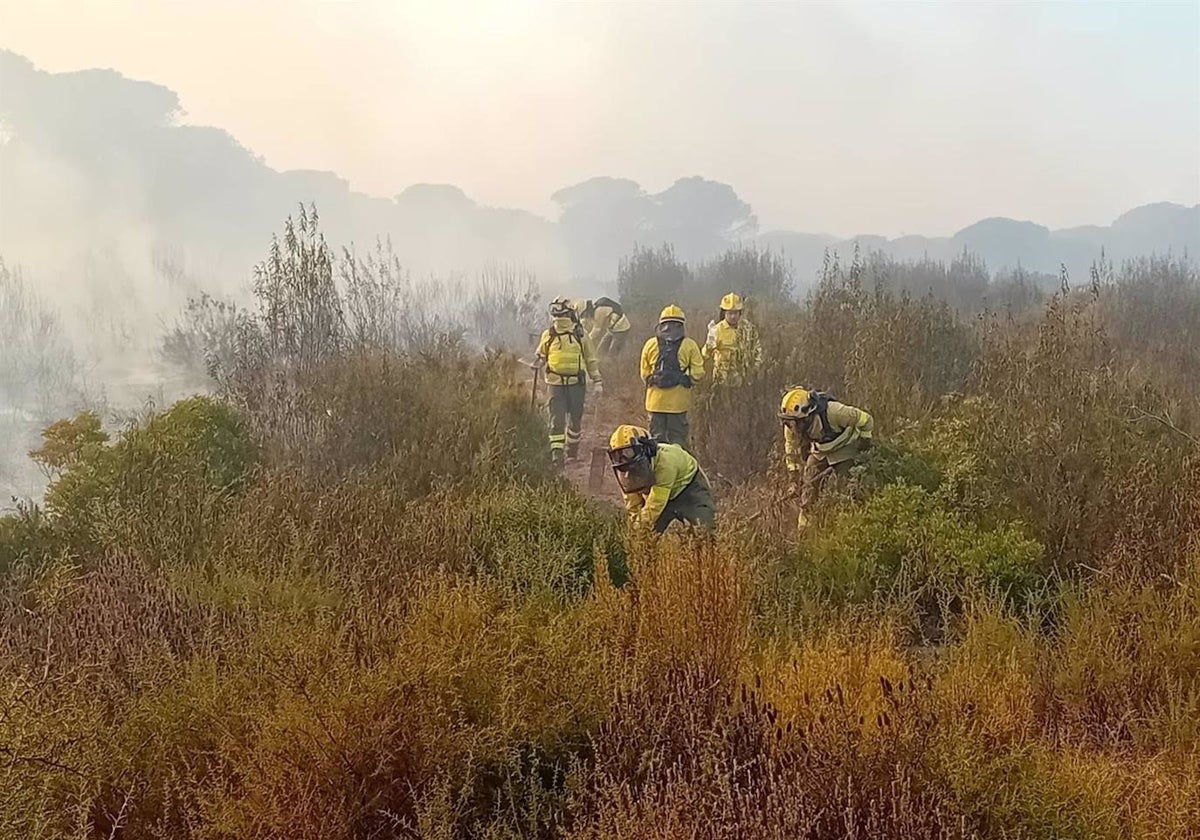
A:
[732,343]
[569,359]
[821,437]
[661,481]
[671,365]
[605,323]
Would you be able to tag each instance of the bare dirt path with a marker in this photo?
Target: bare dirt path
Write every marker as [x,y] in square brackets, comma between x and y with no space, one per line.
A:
[590,472]
[621,403]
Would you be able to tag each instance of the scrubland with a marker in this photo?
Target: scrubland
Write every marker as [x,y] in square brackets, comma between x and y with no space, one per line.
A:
[344,595]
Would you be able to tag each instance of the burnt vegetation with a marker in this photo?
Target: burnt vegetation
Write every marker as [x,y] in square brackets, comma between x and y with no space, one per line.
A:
[344,596]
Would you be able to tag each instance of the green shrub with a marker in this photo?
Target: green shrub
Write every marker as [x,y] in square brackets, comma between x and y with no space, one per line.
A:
[905,541]
[159,486]
[542,539]
[25,537]
[890,462]
[649,279]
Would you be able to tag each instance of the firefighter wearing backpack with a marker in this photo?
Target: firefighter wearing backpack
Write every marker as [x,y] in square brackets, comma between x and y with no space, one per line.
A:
[822,437]
[661,482]
[569,359]
[605,323]
[671,365]
[732,343]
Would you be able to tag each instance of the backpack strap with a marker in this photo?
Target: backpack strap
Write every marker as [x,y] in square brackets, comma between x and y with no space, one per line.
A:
[610,303]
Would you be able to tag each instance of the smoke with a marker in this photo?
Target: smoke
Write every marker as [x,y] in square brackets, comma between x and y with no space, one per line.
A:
[117,213]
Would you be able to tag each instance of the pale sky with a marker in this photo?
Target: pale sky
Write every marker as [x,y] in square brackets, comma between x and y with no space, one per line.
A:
[837,118]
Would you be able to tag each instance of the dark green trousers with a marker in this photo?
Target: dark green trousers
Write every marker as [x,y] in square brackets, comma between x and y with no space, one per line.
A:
[566,417]
[670,428]
[693,506]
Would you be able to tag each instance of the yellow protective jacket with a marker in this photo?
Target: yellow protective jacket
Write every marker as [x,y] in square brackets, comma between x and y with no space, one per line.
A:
[606,319]
[848,427]
[603,318]
[567,356]
[733,350]
[676,400]
[674,470]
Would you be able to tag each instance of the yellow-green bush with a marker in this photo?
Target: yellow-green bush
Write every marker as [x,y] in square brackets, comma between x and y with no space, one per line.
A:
[159,487]
[903,542]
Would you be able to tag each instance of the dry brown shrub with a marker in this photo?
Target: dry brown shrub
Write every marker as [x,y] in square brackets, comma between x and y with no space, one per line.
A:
[1075,443]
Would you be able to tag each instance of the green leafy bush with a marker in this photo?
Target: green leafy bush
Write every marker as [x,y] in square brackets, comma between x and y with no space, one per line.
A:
[905,541]
[161,484]
[542,539]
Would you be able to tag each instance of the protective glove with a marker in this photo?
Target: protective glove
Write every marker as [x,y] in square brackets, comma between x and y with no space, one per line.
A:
[685,380]
[711,340]
[598,389]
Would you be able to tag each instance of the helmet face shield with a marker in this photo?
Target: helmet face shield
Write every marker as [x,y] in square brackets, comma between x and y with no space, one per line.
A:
[632,458]
[623,455]
[635,476]
[670,330]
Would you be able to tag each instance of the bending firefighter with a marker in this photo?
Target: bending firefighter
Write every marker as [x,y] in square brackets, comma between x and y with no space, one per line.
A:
[822,437]
[661,481]
[569,359]
[671,365]
[732,343]
[605,323]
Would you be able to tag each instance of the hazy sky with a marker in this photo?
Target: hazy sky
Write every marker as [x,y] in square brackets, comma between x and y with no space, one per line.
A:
[851,118]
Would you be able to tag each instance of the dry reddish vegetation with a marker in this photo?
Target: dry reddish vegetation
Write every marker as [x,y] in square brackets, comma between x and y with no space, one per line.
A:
[345,599]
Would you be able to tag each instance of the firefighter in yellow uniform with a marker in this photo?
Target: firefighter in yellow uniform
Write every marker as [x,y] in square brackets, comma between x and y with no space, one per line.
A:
[605,323]
[569,359]
[732,343]
[822,437]
[671,365]
[661,482]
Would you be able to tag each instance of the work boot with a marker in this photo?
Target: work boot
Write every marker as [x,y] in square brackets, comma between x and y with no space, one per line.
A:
[556,457]
[572,454]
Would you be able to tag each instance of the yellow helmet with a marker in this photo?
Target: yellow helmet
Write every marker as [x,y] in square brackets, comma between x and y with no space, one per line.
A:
[631,453]
[671,312]
[732,302]
[795,404]
[630,443]
[624,435]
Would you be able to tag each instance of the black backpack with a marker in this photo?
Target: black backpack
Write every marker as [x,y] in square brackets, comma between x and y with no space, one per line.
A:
[667,372]
[606,301]
[820,407]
